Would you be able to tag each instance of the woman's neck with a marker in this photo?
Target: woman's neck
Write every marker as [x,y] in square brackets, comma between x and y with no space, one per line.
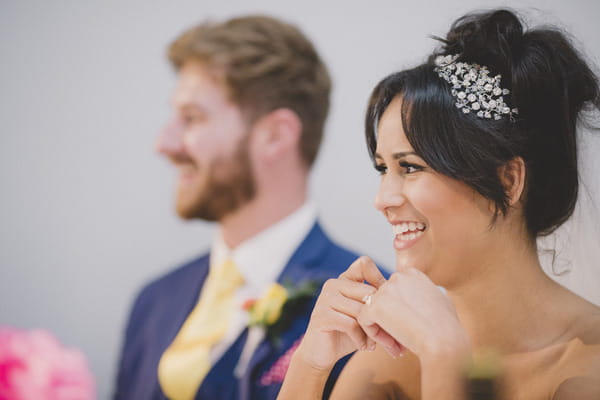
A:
[506,304]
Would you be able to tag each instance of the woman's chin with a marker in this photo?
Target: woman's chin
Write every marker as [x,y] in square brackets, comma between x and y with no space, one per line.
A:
[405,261]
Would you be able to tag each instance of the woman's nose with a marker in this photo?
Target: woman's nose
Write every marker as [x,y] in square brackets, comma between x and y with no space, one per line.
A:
[390,193]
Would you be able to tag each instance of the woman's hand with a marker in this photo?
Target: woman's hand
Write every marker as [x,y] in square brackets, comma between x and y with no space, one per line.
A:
[416,313]
[333,331]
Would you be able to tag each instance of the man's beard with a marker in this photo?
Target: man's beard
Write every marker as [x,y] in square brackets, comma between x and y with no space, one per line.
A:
[229,185]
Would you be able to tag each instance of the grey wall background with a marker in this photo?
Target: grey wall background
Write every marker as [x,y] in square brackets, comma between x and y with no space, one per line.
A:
[86,215]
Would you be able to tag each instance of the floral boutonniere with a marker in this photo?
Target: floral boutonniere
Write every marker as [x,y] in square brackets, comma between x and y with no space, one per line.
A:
[279,305]
[266,310]
[272,313]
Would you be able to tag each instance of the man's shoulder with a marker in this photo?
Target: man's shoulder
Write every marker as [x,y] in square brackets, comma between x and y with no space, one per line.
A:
[327,251]
[325,245]
[190,271]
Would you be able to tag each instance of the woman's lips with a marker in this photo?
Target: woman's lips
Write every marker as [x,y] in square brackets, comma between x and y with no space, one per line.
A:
[407,233]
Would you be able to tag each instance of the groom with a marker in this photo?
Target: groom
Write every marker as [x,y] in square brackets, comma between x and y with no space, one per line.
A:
[249,109]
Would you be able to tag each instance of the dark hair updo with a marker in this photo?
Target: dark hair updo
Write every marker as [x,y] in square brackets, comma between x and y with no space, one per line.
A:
[549,83]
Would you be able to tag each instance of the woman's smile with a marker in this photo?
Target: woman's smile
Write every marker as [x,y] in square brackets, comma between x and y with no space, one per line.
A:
[407,233]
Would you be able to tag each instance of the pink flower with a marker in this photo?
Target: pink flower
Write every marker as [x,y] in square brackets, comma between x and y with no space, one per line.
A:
[277,372]
[34,365]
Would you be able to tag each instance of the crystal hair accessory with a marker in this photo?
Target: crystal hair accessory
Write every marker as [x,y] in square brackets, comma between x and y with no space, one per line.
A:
[474,89]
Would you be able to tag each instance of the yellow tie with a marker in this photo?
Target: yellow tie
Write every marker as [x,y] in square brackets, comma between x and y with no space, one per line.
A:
[186,361]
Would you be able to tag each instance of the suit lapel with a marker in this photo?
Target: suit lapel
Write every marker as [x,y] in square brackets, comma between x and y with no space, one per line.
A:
[177,306]
[300,267]
[186,297]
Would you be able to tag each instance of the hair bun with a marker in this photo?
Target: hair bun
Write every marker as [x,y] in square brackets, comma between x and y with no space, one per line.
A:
[489,38]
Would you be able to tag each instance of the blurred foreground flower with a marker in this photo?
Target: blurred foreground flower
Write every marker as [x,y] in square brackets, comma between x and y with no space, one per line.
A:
[34,365]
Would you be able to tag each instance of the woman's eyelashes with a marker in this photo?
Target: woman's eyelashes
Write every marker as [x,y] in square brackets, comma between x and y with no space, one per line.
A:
[410,168]
[404,168]
[381,168]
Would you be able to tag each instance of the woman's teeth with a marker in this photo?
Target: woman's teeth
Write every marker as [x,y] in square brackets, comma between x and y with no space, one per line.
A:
[408,230]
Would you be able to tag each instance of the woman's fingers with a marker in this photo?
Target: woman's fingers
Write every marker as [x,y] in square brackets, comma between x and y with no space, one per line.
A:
[376,334]
[412,310]
[354,290]
[334,329]
[344,324]
[350,284]
[349,307]
[337,308]
[364,270]
[345,297]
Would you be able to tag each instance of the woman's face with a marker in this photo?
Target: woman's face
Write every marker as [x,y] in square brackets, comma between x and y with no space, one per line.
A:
[441,226]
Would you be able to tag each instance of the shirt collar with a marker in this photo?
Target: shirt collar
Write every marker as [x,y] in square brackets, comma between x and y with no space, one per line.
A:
[262,257]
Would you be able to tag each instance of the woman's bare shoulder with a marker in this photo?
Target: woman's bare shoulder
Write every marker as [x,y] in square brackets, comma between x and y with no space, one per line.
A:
[582,341]
[376,375]
[586,326]
[580,362]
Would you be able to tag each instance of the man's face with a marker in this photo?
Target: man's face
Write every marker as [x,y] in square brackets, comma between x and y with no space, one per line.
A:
[207,141]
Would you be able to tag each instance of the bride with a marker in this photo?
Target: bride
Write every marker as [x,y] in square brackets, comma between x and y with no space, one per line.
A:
[477,151]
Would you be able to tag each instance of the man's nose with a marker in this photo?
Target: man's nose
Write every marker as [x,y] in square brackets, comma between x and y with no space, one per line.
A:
[169,140]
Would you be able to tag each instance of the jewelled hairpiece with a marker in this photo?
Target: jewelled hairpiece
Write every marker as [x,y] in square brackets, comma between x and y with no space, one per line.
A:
[473,88]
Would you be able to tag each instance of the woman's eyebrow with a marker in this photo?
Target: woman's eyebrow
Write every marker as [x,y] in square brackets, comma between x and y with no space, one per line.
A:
[403,154]
[398,155]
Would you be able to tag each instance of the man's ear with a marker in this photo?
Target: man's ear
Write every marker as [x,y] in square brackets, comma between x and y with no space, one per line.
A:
[277,132]
[513,176]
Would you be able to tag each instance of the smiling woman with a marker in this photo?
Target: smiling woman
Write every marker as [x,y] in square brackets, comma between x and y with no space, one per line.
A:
[467,147]
[454,220]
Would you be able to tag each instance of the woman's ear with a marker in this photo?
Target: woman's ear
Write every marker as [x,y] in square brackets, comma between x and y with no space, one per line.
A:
[513,175]
[277,133]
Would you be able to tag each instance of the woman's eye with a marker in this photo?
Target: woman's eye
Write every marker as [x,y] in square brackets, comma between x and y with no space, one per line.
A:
[410,168]
[381,169]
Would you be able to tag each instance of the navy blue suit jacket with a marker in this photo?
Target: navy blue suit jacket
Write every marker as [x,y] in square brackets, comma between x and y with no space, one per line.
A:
[163,305]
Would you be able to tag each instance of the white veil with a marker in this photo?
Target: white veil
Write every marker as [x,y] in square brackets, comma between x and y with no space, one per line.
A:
[571,255]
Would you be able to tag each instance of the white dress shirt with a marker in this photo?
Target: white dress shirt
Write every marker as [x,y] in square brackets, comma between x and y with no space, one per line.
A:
[260,259]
